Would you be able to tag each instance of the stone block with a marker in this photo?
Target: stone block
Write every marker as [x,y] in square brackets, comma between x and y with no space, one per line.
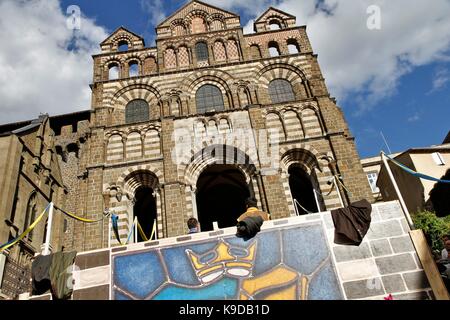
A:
[416,280]
[402,244]
[347,253]
[390,211]
[394,264]
[380,247]
[393,283]
[421,295]
[357,269]
[384,229]
[363,288]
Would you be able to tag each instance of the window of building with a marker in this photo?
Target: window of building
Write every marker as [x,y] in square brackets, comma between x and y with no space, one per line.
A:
[293,47]
[280,90]
[137,111]
[372,177]
[201,50]
[274,25]
[133,69]
[113,71]
[209,98]
[30,214]
[123,46]
[438,159]
[274,50]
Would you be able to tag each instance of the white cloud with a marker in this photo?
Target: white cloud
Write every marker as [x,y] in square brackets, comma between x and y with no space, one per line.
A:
[44,66]
[440,80]
[415,117]
[360,63]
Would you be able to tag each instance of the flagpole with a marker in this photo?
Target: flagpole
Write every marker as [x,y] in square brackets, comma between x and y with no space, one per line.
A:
[48,235]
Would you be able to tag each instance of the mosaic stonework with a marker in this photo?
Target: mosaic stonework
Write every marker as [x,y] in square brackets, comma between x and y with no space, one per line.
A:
[277,264]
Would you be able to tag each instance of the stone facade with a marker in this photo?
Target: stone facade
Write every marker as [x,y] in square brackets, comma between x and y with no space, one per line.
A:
[115,158]
[108,154]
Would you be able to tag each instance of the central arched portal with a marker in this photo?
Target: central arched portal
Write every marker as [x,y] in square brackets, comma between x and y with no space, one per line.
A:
[221,194]
[145,210]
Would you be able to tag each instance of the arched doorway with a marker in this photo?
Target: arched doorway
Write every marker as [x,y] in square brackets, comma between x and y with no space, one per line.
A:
[145,210]
[221,194]
[142,186]
[302,190]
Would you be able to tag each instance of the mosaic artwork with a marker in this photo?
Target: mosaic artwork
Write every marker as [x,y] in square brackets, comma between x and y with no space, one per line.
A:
[292,263]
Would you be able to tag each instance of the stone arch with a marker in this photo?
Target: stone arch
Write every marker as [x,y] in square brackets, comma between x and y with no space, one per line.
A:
[124,177]
[200,159]
[282,71]
[135,91]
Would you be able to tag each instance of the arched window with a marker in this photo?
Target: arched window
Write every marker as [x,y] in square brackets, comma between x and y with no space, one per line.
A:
[113,71]
[293,46]
[209,98]
[280,90]
[136,111]
[274,25]
[201,51]
[274,50]
[123,46]
[198,25]
[30,214]
[255,51]
[133,68]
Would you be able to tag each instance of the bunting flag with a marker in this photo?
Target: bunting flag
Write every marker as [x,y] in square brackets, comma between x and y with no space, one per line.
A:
[27,231]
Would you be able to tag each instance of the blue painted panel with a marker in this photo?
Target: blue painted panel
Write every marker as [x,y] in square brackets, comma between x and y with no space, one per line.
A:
[304,248]
[139,274]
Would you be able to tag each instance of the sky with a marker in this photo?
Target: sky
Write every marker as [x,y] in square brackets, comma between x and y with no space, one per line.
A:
[386,62]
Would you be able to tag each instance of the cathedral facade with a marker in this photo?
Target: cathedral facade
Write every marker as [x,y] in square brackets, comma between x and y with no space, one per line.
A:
[195,125]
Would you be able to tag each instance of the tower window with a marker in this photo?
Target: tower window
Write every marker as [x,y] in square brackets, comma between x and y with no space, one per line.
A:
[209,98]
[137,111]
[280,90]
[274,50]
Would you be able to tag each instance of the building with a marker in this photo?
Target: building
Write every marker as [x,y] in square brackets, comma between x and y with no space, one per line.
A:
[198,123]
[30,177]
[433,161]
[371,167]
[420,194]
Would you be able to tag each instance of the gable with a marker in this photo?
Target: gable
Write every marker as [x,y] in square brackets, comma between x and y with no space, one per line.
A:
[133,40]
[194,8]
[274,12]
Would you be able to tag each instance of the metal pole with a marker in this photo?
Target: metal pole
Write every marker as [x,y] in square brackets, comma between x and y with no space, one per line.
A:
[338,191]
[135,230]
[317,200]
[397,190]
[46,251]
[109,232]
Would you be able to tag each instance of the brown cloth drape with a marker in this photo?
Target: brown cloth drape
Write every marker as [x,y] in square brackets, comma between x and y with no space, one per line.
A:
[352,223]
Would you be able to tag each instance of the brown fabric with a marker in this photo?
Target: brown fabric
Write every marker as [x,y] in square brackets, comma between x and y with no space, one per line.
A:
[254,213]
[352,223]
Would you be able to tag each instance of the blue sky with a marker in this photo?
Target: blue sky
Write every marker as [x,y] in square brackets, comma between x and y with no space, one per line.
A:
[395,80]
